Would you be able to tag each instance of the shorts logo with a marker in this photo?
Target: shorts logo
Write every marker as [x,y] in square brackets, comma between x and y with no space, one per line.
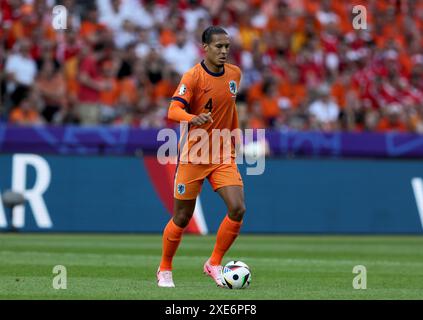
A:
[181,188]
[232,87]
[182,89]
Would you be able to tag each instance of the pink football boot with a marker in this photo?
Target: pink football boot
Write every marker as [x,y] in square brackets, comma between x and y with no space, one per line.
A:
[214,272]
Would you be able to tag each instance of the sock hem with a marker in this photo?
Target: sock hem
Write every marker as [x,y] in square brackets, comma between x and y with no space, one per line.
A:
[233,221]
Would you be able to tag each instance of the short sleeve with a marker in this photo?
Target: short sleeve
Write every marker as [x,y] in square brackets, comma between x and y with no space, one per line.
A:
[185,90]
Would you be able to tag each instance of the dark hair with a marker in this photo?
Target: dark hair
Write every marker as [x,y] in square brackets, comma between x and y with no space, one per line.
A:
[210,31]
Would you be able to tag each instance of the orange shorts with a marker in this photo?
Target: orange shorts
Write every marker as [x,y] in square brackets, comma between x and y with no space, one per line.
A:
[189,178]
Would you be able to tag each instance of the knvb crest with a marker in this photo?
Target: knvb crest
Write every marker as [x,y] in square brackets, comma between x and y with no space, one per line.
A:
[232,87]
[181,188]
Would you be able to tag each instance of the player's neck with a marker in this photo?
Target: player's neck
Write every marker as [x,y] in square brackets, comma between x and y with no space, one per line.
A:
[213,68]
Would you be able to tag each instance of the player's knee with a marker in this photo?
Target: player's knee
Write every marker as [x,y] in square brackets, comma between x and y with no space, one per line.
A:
[181,218]
[237,211]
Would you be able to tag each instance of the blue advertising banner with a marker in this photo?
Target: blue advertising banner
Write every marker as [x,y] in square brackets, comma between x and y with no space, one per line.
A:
[123,194]
[73,140]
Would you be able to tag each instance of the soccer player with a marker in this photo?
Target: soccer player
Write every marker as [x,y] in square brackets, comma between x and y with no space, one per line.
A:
[205,99]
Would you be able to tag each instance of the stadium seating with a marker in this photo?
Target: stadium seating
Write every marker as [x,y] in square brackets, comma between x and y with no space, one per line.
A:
[304,65]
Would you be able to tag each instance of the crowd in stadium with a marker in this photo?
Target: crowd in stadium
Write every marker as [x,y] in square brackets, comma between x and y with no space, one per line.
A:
[305,67]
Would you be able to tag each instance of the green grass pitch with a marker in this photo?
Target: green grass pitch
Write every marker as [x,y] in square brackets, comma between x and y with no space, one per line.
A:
[283,267]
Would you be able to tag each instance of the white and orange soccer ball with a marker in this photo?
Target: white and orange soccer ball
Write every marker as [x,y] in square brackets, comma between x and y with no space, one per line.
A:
[236,275]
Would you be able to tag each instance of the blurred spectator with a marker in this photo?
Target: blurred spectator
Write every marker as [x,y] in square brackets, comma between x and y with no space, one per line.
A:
[91,27]
[109,95]
[255,120]
[144,43]
[51,86]
[20,67]
[416,119]
[392,119]
[292,89]
[26,113]
[74,14]
[193,14]
[352,116]
[113,13]
[230,26]
[128,60]
[270,104]
[126,36]
[167,85]
[324,110]
[90,86]
[325,15]
[183,54]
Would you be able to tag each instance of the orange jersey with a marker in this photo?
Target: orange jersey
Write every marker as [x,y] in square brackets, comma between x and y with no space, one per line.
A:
[203,91]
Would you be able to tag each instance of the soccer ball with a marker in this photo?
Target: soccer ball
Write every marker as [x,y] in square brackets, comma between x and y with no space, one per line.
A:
[236,275]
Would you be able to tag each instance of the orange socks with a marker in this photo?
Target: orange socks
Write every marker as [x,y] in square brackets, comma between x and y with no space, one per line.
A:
[172,236]
[226,235]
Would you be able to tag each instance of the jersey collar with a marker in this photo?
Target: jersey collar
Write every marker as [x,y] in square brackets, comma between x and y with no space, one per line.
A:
[214,74]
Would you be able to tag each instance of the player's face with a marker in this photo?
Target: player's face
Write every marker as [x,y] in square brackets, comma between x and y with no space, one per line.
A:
[218,49]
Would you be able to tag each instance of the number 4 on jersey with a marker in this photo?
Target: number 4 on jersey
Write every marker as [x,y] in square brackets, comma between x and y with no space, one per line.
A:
[209,105]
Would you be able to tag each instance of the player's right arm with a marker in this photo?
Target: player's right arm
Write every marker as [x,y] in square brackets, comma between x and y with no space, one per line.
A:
[179,107]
